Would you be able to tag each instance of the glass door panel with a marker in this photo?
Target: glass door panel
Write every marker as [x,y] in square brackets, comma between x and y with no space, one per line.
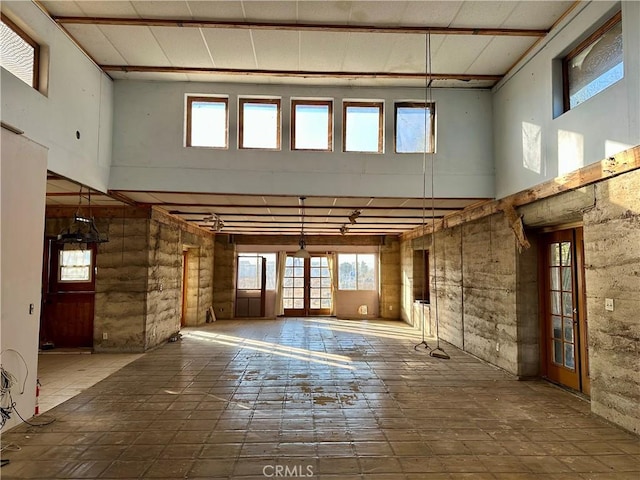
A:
[307,286]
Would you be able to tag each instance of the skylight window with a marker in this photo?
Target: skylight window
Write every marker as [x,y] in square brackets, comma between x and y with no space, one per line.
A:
[260,123]
[312,125]
[19,54]
[363,127]
[596,64]
[207,122]
[415,126]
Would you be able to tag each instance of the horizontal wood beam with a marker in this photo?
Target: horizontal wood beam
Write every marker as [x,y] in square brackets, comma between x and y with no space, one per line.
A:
[300,27]
[610,167]
[97,211]
[226,216]
[288,207]
[465,77]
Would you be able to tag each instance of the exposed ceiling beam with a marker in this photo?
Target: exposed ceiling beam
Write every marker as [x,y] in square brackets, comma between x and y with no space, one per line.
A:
[299,27]
[612,166]
[295,73]
[418,211]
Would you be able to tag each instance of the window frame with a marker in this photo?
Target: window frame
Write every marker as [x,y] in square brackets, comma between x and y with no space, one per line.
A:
[36,49]
[267,101]
[432,125]
[327,103]
[89,267]
[363,104]
[256,255]
[604,28]
[376,261]
[208,99]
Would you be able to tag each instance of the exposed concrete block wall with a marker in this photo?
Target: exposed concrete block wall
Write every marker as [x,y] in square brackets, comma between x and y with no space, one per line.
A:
[167,240]
[390,279]
[165,282]
[121,282]
[499,305]
[612,264]
[200,274]
[121,285]
[474,279]
[224,273]
[139,278]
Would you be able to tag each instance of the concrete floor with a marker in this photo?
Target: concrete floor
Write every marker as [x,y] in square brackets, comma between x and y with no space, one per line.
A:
[318,398]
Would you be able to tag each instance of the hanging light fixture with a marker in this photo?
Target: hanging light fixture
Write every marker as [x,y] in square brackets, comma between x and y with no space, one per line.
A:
[83,228]
[302,252]
[354,215]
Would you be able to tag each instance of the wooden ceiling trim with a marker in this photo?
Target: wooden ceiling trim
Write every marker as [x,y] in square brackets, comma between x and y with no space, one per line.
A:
[300,27]
[612,166]
[465,77]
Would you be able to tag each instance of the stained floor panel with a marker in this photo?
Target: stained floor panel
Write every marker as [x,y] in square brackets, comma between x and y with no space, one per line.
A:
[318,398]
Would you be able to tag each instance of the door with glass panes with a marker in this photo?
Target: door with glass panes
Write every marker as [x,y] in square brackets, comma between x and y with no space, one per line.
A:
[307,286]
[565,340]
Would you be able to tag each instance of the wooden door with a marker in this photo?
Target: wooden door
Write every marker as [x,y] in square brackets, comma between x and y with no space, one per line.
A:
[564,322]
[68,295]
[307,286]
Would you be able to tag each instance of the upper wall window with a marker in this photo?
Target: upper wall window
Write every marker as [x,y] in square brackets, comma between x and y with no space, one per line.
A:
[259,123]
[207,122]
[595,64]
[363,127]
[19,54]
[415,127]
[312,125]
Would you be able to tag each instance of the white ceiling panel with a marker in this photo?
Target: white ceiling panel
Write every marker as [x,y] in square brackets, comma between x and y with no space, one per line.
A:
[230,48]
[96,44]
[537,14]
[379,13]
[323,12]
[183,48]
[321,51]
[271,11]
[107,8]
[71,9]
[457,53]
[483,14]
[216,10]
[367,52]
[276,49]
[137,45]
[162,9]
[499,55]
[432,13]
[408,53]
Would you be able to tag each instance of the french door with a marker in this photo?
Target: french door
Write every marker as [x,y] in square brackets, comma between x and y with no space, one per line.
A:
[564,323]
[307,286]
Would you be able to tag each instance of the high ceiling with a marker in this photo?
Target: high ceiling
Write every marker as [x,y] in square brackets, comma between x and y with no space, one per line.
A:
[473,43]
[355,43]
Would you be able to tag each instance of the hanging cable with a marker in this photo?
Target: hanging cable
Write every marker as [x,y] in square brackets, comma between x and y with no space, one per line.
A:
[437,352]
[427,81]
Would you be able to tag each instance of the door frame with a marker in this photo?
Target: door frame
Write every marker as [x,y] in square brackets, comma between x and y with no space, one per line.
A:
[307,311]
[575,235]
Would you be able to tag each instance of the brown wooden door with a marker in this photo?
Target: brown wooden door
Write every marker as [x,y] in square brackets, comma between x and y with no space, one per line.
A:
[564,322]
[68,295]
[307,286]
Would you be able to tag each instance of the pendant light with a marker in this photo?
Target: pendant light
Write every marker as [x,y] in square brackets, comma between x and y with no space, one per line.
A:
[83,228]
[302,252]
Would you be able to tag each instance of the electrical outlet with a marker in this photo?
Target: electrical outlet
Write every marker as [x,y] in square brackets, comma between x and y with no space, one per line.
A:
[105,336]
[497,346]
[390,307]
[608,304]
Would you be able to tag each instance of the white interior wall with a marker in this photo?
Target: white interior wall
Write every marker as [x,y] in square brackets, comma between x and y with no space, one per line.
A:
[23,181]
[149,151]
[78,99]
[530,145]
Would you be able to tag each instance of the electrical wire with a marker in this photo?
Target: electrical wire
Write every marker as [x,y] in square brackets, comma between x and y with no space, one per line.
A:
[24,383]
